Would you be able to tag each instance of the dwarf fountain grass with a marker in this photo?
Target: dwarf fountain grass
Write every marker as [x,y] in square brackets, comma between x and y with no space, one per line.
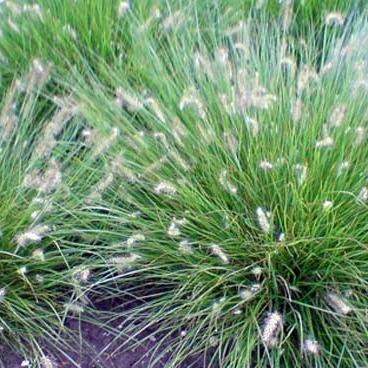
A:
[66,32]
[257,273]
[41,155]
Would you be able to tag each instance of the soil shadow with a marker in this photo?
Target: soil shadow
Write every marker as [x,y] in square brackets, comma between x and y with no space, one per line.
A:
[93,340]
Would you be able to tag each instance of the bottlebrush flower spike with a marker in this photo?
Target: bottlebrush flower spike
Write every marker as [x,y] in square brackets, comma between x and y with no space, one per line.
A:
[272,327]
[217,251]
[337,303]
[263,218]
[311,347]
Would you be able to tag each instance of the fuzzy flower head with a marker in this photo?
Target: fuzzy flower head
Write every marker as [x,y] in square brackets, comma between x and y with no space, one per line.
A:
[165,188]
[123,7]
[135,239]
[219,252]
[327,205]
[311,347]
[334,19]
[272,327]
[33,235]
[125,262]
[263,218]
[363,195]
[325,142]
[227,184]
[185,247]
[81,275]
[337,303]
[2,294]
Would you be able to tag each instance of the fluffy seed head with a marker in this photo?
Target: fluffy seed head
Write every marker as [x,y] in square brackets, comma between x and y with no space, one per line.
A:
[361,135]
[38,254]
[227,184]
[185,247]
[301,173]
[311,347]
[127,100]
[337,303]
[81,275]
[327,205]
[218,252]
[271,329]
[265,165]
[2,294]
[47,362]
[337,116]
[123,7]
[263,220]
[334,19]
[124,263]
[33,235]
[325,142]
[363,195]
[165,188]
[135,239]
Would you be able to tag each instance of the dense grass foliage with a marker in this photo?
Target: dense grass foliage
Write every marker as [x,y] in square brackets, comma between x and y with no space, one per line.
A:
[42,278]
[71,33]
[206,159]
[236,194]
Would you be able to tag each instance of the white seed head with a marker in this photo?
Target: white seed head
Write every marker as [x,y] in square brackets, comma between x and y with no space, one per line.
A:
[2,294]
[191,98]
[253,125]
[123,7]
[127,100]
[126,262]
[305,76]
[135,239]
[75,308]
[47,362]
[173,230]
[218,252]
[69,30]
[257,272]
[231,142]
[173,20]
[185,247]
[327,205]
[165,188]
[271,329]
[247,294]
[361,135]
[334,19]
[38,254]
[266,165]
[363,195]
[342,167]
[337,303]
[325,142]
[301,173]
[281,237]
[52,177]
[33,235]
[297,110]
[337,116]
[311,347]
[227,184]
[263,218]
[81,275]
[22,271]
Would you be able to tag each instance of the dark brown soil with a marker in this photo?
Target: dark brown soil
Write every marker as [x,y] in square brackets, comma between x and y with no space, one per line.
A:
[92,340]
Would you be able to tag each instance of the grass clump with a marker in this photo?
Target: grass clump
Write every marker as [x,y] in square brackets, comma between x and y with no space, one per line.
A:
[43,280]
[71,33]
[240,206]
